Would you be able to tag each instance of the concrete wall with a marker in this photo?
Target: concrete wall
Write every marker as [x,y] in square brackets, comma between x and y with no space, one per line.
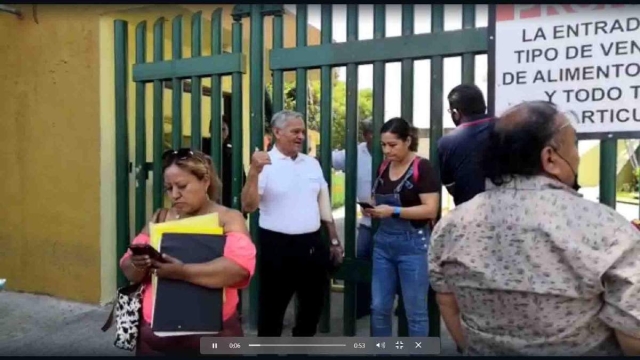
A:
[49,221]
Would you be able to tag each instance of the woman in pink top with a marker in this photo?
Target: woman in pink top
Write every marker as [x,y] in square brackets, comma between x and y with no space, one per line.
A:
[194,188]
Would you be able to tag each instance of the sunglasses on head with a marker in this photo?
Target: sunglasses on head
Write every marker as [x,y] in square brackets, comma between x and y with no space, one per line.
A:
[170,156]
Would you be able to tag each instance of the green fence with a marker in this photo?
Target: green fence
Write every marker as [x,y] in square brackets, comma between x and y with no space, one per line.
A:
[409,47]
[175,70]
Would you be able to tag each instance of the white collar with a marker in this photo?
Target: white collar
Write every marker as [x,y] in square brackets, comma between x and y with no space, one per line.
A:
[279,155]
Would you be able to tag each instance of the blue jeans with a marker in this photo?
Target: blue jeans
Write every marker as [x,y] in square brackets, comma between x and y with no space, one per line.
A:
[400,254]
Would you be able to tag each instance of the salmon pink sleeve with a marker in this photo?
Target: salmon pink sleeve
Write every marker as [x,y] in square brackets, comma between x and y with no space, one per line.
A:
[140,239]
[242,251]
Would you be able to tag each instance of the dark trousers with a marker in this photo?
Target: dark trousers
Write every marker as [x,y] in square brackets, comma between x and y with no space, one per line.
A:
[292,264]
[150,344]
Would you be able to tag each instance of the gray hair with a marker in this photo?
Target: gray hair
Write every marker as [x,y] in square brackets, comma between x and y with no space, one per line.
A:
[280,118]
[366,126]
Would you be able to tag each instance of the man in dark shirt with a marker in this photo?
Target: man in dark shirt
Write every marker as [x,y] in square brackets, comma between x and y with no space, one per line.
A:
[460,152]
[226,162]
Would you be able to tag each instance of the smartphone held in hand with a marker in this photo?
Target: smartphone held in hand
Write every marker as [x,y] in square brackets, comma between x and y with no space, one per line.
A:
[365,205]
[146,249]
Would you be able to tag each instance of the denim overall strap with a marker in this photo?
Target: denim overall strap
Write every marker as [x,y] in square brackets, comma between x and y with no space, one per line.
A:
[395,224]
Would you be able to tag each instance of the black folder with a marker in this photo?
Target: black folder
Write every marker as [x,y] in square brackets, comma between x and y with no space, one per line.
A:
[182,308]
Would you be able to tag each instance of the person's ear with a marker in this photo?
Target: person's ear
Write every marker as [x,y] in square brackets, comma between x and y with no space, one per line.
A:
[549,161]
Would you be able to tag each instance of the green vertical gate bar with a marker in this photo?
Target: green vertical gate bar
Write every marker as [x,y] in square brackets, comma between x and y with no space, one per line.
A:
[608,169]
[216,93]
[301,86]
[379,67]
[349,326]
[256,98]
[407,113]
[158,117]
[176,86]
[196,83]
[468,60]
[236,119]
[277,95]
[407,73]
[301,74]
[379,32]
[435,133]
[235,123]
[379,71]
[121,71]
[141,133]
[326,111]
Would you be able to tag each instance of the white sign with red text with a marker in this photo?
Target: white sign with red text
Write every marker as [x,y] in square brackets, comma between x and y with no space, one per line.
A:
[583,58]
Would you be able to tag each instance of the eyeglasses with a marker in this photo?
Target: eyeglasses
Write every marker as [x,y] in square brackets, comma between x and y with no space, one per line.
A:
[170,156]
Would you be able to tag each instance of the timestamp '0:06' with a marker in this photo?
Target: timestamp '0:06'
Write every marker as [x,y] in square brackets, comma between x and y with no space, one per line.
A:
[234,345]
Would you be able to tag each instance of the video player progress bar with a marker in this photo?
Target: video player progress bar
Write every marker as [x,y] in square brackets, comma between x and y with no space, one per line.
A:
[300,345]
[320,345]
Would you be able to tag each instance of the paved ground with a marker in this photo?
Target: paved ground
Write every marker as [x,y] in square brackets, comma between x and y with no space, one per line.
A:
[41,325]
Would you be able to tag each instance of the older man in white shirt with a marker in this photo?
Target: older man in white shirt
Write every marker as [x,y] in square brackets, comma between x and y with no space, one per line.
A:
[287,187]
[364,243]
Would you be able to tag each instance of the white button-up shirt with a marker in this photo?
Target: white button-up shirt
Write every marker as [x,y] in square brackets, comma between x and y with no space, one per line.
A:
[364,174]
[289,192]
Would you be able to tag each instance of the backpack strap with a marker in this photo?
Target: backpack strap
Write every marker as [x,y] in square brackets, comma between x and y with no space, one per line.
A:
[416,174]
[383,167]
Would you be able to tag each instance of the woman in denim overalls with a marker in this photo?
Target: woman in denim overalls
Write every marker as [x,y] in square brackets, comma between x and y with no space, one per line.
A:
[404,207]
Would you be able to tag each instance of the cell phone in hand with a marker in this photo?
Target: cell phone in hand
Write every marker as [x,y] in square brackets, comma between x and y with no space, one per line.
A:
[146,249]
[365,205]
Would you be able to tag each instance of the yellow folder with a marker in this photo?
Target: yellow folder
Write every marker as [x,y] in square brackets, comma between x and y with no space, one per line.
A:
[203,224]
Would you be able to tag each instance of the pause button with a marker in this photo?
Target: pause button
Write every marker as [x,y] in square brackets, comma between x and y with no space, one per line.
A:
[214,345]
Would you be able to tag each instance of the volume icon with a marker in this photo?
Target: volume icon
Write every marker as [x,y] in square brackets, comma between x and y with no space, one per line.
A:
[380,345]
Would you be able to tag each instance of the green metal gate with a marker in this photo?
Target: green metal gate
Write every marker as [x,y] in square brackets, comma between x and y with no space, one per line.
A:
[409,47]
[174,71]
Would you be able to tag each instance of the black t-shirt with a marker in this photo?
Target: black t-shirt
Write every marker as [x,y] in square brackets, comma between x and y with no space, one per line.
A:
[427,183]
